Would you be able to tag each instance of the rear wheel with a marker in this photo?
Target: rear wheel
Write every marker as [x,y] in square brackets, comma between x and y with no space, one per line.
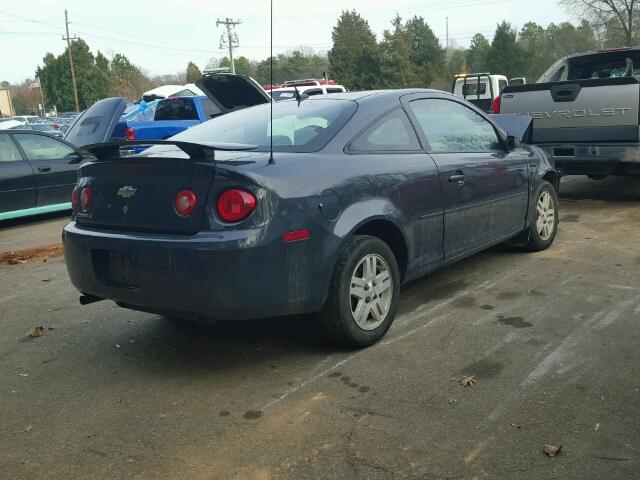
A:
[543,222]
[364,291]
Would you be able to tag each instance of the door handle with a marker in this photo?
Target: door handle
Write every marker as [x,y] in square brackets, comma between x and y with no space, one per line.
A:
[458,179]
[44,169]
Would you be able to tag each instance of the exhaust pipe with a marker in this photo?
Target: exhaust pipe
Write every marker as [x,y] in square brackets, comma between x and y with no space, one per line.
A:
[86,299]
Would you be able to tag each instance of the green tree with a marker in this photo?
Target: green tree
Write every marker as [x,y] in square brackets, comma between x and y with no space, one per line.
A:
[457,62]
[478,54]
[244,66]
[506,56]
[397,67]
[427,54]
[193,73]
[354,58]
[127,80]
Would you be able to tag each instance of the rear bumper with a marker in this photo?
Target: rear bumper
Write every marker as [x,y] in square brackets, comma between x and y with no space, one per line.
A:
[213,275]
[594,158]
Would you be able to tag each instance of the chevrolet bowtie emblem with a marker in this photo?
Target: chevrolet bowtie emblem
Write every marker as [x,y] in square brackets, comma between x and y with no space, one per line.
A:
[127,191]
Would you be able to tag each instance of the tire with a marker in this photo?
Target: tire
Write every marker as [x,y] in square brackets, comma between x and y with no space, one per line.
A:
[596,177]
[352,314]
[542,234]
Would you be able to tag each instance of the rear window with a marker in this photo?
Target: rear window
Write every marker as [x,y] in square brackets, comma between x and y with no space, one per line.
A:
[178,108]
[304,126]
[278,95]
[605,65]
[471,88]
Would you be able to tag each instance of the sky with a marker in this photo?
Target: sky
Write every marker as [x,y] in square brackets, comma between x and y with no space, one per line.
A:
[161,36]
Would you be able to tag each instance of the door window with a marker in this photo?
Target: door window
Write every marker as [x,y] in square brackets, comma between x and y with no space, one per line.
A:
[8,151]
[42,147]
[451,127]
[391,133]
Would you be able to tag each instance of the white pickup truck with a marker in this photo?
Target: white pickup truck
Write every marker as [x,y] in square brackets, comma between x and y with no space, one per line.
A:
[585,112]
[481,89]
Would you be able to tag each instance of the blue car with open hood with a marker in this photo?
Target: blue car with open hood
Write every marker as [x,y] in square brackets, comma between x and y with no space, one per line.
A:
[322,205]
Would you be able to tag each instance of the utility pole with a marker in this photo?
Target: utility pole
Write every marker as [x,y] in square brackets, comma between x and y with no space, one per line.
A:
[447,44]
[73,72]
[230,39]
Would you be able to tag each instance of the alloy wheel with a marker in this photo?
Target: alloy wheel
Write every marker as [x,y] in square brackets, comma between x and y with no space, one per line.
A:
[371,291]
[545,216]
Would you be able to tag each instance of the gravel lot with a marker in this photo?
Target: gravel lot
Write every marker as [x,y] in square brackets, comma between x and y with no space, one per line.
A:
[551,338]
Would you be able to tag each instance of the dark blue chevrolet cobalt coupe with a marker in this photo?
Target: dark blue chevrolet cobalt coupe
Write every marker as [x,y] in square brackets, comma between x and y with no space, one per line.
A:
[363,192]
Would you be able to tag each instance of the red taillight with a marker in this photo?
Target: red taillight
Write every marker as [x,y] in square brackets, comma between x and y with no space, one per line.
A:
[495,105]
[74,198]
[296,235]
[85,198]
[186,202]
[235,205]
[129,134]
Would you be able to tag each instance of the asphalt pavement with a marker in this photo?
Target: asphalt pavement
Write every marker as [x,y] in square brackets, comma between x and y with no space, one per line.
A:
[550,339]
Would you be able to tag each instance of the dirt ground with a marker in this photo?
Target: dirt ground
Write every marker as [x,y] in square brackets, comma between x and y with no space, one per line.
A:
[551,339]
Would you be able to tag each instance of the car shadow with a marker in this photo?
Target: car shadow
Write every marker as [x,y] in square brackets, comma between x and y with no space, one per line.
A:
[614,188]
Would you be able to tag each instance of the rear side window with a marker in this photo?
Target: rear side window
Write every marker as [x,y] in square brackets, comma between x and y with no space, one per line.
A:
[501,85]
[313,91]
[390,133]
[8,151]
[178,108]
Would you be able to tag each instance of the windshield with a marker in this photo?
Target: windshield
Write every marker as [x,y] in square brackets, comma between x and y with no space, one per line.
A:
[297,127]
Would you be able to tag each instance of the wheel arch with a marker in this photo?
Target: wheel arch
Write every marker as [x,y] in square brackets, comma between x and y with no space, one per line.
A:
[389,232]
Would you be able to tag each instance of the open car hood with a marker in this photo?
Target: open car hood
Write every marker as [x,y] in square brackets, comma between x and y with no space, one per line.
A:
[96,123]
[231,92]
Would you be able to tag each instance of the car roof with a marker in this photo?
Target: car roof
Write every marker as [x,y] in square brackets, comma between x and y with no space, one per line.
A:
[377,94]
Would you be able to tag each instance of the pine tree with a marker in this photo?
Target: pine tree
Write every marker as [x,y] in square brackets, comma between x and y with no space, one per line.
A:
[193,73]
[354,59]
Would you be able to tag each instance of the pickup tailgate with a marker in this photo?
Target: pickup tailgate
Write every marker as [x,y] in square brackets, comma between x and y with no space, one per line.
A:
[578,111]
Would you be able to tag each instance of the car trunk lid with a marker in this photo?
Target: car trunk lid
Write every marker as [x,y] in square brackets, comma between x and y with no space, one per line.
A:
[232,92]
[138,193]
[97,123]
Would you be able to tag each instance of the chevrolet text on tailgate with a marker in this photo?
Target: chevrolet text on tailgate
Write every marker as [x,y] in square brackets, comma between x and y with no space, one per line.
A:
[585,109]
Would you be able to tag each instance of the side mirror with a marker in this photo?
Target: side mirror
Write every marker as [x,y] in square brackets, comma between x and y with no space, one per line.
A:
[511,143]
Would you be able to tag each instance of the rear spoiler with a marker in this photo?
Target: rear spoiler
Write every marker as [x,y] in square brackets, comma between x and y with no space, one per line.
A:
[204,150]
[517,126]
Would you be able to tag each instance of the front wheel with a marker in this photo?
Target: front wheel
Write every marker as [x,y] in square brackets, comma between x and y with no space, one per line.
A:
[364,291]
[543,222]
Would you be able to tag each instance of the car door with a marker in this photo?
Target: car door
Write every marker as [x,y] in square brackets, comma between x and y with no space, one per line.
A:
[411,181]
[17,179]
[485,187]
[55,164]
